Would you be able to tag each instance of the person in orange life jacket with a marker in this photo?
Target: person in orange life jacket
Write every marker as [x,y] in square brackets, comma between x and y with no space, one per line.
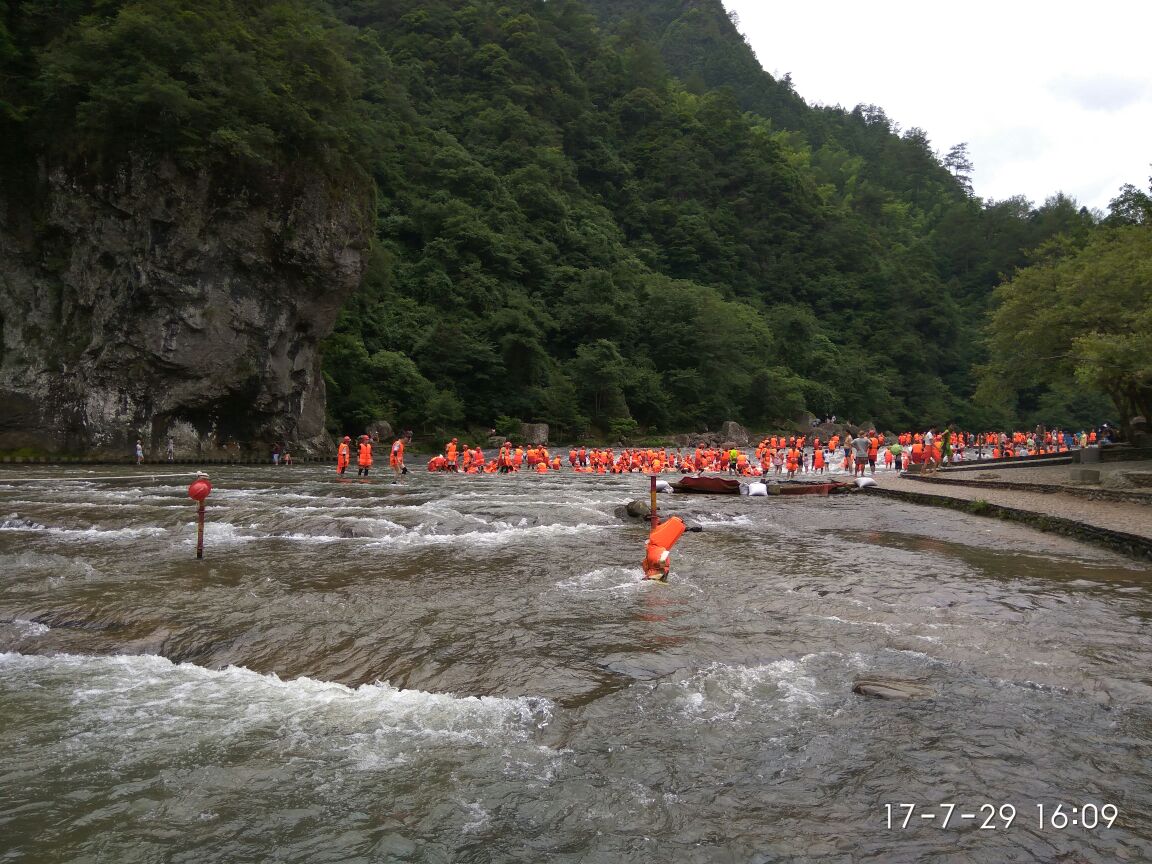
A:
[917,457]
[396,457]
[364,457]
[658,549]
[741,463]
[343,455]
[873,449]
[791,461]
[450,455]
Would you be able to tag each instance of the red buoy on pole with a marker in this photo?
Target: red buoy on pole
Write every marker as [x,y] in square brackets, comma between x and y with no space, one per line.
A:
[198,492]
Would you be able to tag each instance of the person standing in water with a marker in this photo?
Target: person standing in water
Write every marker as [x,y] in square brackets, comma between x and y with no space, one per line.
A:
[396,457]
[364,457]
[139,452]
[860,447]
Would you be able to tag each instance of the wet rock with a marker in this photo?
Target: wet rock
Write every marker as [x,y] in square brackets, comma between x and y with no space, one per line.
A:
[636,509]
[14,521]
[887,689]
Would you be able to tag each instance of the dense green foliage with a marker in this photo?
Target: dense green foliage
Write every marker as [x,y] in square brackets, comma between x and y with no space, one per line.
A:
[93,81]
[608,221]
[1083,312]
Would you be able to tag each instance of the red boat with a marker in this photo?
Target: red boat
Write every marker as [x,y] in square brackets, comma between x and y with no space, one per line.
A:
[708,485]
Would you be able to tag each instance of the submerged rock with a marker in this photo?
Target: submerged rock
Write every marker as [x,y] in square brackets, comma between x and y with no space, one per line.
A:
[14,521]
[883,689]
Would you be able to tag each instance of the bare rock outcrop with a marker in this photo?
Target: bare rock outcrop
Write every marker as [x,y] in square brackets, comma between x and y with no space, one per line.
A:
[161,302]
[534,433]
[731,431]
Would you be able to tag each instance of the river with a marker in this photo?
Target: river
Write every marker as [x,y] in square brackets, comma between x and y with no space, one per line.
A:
[468,669]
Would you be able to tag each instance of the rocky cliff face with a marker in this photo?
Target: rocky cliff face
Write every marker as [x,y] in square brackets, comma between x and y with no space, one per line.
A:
[167,302]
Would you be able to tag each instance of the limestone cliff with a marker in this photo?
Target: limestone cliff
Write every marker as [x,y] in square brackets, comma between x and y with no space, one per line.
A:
[164,301]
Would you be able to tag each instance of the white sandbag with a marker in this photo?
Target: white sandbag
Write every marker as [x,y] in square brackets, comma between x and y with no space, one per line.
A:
[663,486]
[864,482]
[758,490]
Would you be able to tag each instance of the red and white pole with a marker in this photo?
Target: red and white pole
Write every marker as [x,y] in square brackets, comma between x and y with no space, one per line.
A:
[199,491]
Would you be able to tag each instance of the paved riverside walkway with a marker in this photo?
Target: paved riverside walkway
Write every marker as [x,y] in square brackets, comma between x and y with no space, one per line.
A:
[1041,495]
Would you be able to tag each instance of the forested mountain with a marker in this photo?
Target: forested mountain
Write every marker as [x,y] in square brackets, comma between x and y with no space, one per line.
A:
[599,214]
[624,217]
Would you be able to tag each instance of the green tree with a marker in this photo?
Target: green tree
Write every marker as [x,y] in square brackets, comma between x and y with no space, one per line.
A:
[1085,313]
[600,372]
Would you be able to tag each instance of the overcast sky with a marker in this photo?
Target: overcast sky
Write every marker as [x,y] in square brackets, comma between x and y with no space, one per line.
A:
[1050,96]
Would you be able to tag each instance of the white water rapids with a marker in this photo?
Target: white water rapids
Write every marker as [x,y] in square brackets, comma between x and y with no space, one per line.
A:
[470,669]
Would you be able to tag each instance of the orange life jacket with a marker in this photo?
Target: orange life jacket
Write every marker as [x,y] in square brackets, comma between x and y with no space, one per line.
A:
[657,553]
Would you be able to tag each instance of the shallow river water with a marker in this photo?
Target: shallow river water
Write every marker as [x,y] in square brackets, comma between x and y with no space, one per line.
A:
[468,669]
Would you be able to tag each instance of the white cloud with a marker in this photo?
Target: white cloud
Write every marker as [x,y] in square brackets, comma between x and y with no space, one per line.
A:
[1046,94]
[1102,92]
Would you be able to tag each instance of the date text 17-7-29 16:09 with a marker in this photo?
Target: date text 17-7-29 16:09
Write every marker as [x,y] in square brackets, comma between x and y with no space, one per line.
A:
[990,817]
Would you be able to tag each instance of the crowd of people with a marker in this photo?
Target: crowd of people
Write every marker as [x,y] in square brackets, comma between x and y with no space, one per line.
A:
[777,455]
[364,458]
